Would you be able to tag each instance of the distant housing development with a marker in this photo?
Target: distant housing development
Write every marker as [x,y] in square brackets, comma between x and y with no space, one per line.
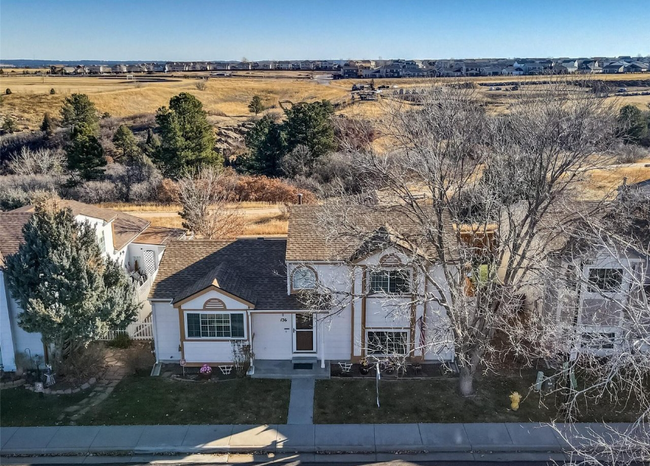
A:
[397,68]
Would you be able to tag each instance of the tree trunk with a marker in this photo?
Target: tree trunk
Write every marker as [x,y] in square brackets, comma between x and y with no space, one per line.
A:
[466,381]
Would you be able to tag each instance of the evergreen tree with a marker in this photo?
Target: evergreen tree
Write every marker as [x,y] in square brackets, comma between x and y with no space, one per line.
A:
[67,290]
[79,110]
[633,125]
[187,138]
[256,106]
[126,142]
[85,153]
[151,144]
[266,143]
[309,124]
[9,125]
[52,91]
[47,125]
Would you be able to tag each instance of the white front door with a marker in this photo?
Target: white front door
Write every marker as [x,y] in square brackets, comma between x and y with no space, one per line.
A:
[304,333]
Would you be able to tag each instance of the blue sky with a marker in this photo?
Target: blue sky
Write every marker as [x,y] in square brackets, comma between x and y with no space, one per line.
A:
[334,29]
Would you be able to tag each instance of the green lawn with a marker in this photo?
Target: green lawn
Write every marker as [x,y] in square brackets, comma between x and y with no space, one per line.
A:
[20,407]
[154,400]
[349,401]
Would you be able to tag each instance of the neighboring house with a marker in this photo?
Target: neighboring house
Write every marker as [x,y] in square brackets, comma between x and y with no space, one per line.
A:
[210,295]
[601,287]
[119,68]
[615,67]
[124,238]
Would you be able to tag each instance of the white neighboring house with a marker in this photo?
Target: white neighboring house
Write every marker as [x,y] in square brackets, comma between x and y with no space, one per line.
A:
[125,238]
[209,294]
[603,294]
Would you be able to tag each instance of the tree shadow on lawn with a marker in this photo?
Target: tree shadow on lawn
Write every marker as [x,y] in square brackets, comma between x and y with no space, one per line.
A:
[439,401]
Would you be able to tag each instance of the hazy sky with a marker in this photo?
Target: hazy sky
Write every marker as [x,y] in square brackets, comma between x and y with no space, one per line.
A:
[301,29]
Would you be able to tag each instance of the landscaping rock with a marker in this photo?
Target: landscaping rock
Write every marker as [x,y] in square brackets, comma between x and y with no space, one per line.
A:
[92,381]
[68,391]
[85,386]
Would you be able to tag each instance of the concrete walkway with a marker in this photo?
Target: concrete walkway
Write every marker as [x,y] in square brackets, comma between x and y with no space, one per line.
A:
[301,401]
[374,439]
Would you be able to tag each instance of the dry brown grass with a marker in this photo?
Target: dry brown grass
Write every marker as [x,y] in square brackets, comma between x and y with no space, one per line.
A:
[223,97]
[604,182]
[258,218]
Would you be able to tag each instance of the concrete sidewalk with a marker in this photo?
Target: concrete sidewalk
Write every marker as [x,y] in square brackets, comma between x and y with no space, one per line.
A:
[326,438]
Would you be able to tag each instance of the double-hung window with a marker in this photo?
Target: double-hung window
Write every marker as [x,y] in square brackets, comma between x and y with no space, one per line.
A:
[605,280]
[215,325]
[390,281]
[383,342]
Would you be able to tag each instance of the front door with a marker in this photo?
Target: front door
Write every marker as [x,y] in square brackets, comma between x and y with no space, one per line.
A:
[303,333]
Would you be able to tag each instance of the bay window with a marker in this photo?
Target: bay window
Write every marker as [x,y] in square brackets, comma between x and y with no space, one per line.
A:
[215,325]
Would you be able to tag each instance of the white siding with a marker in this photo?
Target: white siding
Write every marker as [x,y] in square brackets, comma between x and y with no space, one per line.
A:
[207,351]
[166,332]
[337,336]
[23,340]
[6,335]
[273,337]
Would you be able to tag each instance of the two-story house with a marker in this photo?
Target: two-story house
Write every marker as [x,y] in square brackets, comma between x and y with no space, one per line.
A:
[124,238]
[209,294]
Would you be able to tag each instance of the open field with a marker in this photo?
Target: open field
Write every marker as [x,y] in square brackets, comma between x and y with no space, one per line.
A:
[225,99]
[260,219]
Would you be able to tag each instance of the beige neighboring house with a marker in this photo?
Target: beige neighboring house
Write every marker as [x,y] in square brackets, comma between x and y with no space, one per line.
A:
[127,239]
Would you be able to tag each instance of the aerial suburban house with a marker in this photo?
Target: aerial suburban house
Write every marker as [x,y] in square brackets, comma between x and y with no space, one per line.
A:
[127,239]
[210,296]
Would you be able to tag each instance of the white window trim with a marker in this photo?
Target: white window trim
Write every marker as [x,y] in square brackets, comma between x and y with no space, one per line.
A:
[299,269]
[192,311]
[388,293]
[622,290]
[388,330]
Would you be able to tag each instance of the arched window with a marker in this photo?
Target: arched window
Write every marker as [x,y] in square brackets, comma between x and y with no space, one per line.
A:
[303,278]
[214,303]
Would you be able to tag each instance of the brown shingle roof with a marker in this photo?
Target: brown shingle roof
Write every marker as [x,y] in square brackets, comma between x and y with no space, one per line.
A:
[79,208]
[252,269]
[359,231]
[125,227]
[159,235]
[11,232]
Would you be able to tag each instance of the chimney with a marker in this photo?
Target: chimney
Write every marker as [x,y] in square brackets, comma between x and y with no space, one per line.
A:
[299,198]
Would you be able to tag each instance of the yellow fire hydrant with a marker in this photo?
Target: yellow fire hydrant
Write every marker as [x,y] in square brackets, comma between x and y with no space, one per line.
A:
[515,398]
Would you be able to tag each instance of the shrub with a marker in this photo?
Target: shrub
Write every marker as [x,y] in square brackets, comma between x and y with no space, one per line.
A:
[201,86]
[138,358]
[95,192]
[631,153]
[37,162]
[122,340]
[18,190]
[8,91]
[167,192]
[274,190]
[52,91]
[84,363]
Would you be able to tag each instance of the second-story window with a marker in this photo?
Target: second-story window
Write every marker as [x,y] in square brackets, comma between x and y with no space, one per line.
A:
[303,278]
[605,280]
[390,281]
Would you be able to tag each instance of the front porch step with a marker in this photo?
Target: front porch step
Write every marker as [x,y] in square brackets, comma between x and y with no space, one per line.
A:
[285,369]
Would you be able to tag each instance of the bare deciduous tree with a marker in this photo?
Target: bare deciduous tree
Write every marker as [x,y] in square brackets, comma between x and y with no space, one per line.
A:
[204,196]
[468,195]
[37,162]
